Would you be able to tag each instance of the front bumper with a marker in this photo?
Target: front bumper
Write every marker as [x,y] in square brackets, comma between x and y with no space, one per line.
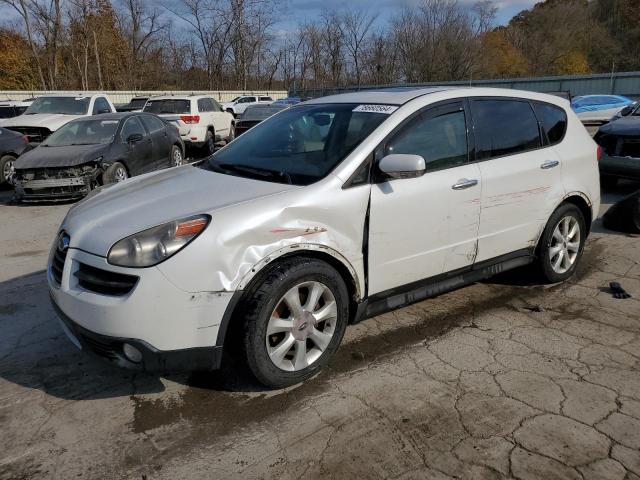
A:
[69,187]
[624,167]
[173,329]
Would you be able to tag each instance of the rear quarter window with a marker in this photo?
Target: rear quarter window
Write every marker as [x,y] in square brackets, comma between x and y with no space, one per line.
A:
[504,127]
[553,120]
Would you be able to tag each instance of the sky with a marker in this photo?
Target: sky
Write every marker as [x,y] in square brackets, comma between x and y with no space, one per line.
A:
[296,11]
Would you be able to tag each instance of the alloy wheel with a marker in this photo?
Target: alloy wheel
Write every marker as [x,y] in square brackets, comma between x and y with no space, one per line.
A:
[565,244]
[120,175]
[301,326]
[177,157]
[7,171]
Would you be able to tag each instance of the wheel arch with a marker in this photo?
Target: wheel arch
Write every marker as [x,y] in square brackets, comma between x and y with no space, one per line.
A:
[578,199]
[325,254]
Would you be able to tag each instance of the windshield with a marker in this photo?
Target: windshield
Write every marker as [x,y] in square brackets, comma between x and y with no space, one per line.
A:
[168,106]
[59,105]
[85,132]
[300,145]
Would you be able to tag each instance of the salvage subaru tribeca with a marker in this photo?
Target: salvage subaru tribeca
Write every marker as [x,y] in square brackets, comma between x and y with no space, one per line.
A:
[329,212]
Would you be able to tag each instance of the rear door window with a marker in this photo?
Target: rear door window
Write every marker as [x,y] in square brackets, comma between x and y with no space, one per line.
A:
[132,126]
[153,124]
[504,127]
[553,121]
[438,135]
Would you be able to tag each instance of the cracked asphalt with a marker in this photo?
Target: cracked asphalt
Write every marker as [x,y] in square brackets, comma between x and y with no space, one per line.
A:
[502,379]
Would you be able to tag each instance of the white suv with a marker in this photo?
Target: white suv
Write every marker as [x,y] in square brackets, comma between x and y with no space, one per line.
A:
[325,214]
[238,105]
[200,120]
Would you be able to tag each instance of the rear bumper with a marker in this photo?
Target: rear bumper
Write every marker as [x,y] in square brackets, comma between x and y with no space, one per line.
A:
[623,167]
[153,360]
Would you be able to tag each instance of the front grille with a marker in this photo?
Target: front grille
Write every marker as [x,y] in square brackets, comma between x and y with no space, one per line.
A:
[103,281]
[59,257]
[34,134]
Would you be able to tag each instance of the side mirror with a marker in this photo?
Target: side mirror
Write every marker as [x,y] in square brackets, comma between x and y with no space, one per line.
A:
[134,137]
[403,165]
[626,110]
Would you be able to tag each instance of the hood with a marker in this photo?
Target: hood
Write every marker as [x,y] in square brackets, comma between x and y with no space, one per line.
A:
[67,156]
[622,126]
[118,211]
[52,121]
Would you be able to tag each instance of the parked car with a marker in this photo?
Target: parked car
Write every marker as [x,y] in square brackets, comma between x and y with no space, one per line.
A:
[238,105]
[626,111]
[135,105]
[256,114]
[46,114]
[598,109]
[288,101]
[620,142]
[200,120]
[12,145]
[13,108]
[93,151]
[327,213]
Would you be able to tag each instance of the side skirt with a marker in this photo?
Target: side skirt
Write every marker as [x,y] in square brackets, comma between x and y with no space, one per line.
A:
[421,290]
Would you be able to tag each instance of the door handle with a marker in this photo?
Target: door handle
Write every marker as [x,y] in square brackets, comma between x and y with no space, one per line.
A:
[549,164]
[464,183]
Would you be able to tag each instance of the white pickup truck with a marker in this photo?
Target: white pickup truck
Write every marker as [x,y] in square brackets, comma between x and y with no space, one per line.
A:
[238,105]
[46,114]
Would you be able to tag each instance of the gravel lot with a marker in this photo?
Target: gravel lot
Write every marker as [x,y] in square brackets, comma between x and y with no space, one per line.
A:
[503,379]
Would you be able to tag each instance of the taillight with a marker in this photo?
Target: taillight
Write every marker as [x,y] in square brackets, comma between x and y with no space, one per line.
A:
[599,153]
[190,118]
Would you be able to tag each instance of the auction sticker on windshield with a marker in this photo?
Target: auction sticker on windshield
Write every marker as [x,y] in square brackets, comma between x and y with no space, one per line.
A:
[386,109]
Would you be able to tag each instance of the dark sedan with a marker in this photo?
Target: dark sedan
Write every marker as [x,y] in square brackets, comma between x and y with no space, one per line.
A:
[94,151]
[620,143]
[12,145]
[255,114]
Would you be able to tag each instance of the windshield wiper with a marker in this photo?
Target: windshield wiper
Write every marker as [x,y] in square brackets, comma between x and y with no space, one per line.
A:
[256,172]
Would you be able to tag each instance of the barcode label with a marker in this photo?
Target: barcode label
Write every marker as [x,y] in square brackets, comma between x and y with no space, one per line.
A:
[386,109]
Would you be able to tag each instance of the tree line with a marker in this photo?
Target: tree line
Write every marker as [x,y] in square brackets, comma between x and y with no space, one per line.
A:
[238,45]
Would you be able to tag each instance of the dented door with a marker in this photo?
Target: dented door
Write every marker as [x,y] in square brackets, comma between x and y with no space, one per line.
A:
[422,227]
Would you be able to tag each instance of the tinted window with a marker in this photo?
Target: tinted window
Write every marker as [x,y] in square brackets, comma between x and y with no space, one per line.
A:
[8,112]
[152,123]
[504,127]
[101,106]
[265,99]
[247,100]
[203,105]
[553,120]
[440,137]
[168,106]
[132,126]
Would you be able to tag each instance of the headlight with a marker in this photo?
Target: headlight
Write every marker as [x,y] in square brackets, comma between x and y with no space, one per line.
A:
[156,244]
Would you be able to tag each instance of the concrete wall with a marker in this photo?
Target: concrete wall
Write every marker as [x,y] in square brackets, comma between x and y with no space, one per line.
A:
[125,96]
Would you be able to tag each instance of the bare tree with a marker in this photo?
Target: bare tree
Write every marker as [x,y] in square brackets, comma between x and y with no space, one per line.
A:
[354,27]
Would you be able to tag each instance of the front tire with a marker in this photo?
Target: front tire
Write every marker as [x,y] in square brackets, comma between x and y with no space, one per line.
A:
[6,169]
[295,316]
[116,173]
[562,243]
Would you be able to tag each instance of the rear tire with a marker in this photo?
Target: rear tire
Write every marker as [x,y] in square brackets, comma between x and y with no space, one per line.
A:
[562,243]
[116,173]
[6,169]
[209,145]
[299,344]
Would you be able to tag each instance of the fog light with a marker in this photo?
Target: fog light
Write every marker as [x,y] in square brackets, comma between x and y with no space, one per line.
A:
[132,353]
